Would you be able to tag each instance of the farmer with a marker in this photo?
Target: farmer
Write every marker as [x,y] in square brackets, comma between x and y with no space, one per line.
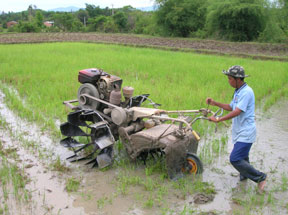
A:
[243,125]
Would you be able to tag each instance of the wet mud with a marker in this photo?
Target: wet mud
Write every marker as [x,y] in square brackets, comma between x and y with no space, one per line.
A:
[99,193]
[47,188]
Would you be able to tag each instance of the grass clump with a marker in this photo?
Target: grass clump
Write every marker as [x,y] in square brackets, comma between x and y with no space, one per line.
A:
[13,181]
[58,165]
[103,201]
[284,184]
[72,184]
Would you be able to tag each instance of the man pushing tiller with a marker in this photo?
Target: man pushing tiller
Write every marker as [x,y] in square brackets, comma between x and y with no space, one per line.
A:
[243,125]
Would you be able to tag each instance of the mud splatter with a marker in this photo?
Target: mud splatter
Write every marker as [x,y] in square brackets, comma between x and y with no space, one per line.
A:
[202,198]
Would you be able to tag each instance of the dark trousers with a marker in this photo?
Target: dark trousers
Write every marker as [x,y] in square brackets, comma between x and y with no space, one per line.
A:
[239,158]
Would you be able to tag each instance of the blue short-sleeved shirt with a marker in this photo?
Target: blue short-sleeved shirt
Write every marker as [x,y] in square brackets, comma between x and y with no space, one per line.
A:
[243,125]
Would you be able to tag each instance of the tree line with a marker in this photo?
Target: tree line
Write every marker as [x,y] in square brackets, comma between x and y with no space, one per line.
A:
[233,20]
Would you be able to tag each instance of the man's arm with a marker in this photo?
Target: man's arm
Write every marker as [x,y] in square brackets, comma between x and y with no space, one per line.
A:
[230,115]
[210,101]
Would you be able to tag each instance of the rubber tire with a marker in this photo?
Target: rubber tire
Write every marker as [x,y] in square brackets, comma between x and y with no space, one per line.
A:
[194,164]
[91,90]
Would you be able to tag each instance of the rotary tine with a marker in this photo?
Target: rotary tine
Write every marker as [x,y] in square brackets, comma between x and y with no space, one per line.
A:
[69,142]
[91,161]
[78,150]
[87,156]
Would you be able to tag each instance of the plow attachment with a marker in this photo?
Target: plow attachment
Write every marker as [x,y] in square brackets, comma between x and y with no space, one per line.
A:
[97,131]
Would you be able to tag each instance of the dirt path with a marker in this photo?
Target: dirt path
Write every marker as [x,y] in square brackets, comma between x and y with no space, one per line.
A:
[252,50]
[100,192]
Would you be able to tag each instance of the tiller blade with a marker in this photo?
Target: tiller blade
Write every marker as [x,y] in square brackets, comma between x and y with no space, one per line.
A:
[98,134]
[70,130]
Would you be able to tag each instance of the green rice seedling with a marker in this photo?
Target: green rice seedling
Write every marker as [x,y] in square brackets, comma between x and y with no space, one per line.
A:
[18,180]
[149,203]
[216,146]
[187,186]
[187,211]
[119,147]
[148,171]
[161,192]
[149,184]
[206,154]
[11,175]
[57,165]
[122,161]
[72,184]
[4,177]
[237,212]
[224,141]
[101,202]
[124,180]
[188,78]
[271,199]
[165,210]
[238,201]
[122,186]
[139,196]
[204,187]
[284,184]
[156,166]
[272,170]
[86,196]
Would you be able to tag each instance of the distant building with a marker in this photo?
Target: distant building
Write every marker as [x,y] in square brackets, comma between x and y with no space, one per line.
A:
[48,24]
[11,24]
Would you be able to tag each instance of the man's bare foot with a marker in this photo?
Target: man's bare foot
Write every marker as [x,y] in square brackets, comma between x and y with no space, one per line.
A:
[261,186]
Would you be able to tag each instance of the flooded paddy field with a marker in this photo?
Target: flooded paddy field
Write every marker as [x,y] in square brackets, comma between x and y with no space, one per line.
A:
[131,188]
[35,176]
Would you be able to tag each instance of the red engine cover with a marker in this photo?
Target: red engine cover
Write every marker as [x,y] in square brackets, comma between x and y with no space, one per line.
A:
[90,75]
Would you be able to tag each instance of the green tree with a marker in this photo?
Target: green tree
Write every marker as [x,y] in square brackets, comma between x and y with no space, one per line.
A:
[236,20]
[26,27]
[67,22]
[120,19]
[39,19]
[94,11]
[143,23]
[283,15]
[110,26]
[181,17]
[97,23]
[83,16]
[275,26]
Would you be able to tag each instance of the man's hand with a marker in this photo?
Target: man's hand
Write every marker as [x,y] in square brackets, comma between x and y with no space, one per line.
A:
[210,101]
[213,119]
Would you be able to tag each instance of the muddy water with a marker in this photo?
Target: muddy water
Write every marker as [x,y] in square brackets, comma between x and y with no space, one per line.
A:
[268,154]
[99,193]
[46,188]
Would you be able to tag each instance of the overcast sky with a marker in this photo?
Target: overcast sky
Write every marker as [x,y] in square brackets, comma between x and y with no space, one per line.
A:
[20,5]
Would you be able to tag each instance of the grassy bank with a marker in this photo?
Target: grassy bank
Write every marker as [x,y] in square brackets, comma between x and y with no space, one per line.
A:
[46,74]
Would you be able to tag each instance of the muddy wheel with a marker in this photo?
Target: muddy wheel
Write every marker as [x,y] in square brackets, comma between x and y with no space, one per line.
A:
[85,102]
[193,164]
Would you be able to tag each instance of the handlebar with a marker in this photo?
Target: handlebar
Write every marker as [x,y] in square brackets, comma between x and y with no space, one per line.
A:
[204,111]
